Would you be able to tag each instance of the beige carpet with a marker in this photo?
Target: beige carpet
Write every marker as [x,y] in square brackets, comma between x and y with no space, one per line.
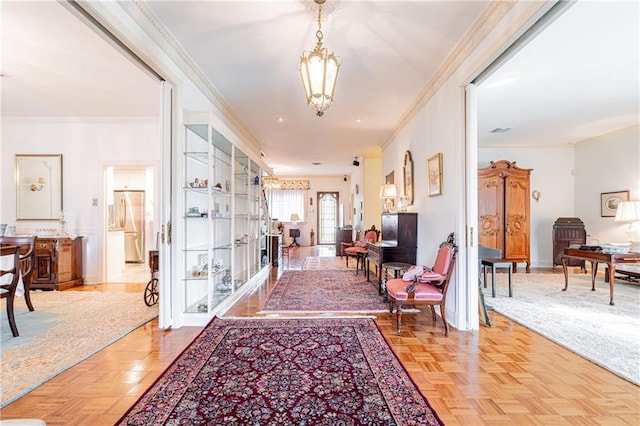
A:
[579,319]
[65,328]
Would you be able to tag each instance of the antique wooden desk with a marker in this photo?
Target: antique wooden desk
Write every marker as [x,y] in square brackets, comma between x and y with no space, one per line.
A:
[595,257]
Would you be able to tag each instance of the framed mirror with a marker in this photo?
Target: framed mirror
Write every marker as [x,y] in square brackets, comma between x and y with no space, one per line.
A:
[408,177]
[38,186]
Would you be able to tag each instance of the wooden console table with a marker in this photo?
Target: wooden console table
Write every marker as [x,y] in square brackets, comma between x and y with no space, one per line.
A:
[595,257]
[58,264]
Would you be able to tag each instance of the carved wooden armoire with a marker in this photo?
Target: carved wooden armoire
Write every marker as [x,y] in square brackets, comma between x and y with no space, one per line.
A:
[503,210]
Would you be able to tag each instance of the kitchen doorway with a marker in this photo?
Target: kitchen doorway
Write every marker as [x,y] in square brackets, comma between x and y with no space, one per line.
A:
[130,217]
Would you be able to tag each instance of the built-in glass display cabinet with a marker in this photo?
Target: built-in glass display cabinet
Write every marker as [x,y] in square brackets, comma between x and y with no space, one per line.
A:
[221,240]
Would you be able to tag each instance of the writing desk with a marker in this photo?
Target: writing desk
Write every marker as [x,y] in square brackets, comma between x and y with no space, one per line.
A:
[595,257]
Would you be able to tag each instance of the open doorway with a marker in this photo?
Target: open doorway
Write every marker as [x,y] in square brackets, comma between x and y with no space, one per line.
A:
[130,221]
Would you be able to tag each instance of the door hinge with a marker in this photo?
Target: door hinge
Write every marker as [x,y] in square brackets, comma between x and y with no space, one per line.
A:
[169,233]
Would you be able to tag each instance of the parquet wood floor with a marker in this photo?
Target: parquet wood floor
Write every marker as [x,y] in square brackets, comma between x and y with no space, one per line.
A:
[505,374]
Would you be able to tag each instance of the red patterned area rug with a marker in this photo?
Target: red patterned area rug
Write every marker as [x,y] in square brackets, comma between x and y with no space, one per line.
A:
[285,372]
[324,292]
[324,263]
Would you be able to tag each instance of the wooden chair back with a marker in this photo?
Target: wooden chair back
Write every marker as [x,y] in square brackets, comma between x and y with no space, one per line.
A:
[27,250]
[8,291]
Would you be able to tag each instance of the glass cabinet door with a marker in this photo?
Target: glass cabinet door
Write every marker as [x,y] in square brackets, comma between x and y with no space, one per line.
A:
[221,241]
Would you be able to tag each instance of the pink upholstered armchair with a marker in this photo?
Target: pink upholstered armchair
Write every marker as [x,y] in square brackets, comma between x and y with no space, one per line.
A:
[425,286]
[370,235]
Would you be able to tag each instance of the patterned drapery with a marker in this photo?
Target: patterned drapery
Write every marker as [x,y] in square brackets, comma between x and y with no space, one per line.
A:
[294,184]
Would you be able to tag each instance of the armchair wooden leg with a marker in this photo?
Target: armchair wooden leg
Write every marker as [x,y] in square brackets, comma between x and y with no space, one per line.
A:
[27,296]
[433,313]
[398,318]
[444,320]
[12,319]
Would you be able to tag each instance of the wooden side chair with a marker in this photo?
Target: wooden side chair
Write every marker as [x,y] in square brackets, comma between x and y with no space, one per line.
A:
[27,245]
[425,286]
[360,247]
[10,266]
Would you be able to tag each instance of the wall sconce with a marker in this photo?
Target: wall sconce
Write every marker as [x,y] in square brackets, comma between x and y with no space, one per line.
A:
[536,195]
[38,186]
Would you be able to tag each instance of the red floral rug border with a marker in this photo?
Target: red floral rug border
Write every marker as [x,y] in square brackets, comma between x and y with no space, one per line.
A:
[201,385]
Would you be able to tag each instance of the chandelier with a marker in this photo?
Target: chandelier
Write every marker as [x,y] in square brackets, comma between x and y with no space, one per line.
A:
[319,71]
[271,182]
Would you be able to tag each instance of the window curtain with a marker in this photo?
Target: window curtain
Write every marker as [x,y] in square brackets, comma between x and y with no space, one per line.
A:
[286,202]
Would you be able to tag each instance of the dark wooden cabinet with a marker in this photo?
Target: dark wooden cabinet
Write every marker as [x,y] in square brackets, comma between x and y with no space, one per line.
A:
[504,210]
[274,242]
[399,241]
[58,263]
[568,231]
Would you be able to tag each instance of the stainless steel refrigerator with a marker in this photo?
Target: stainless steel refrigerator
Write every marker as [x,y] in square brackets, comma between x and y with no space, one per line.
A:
[129,215]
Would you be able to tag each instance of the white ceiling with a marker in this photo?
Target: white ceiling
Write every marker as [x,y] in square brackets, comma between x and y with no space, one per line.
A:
[576,80]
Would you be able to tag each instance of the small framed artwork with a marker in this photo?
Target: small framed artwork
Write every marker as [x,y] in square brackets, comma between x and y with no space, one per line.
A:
[434,175]
[609,202]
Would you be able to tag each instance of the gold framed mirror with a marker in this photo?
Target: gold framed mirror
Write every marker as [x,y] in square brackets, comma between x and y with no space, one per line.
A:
[38,186]
[408,177]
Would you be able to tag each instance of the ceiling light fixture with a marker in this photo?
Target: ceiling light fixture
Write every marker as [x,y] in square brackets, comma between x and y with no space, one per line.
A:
[319,71]
[500,130]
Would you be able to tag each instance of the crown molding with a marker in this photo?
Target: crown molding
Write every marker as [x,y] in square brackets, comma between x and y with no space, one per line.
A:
[148,22]
[493,14]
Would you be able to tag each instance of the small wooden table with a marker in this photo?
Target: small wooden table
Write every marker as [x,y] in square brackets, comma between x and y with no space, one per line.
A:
[396,267]
[493,264]
[595,257]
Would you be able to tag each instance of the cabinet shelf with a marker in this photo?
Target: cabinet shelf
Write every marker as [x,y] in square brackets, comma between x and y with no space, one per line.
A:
[230,206]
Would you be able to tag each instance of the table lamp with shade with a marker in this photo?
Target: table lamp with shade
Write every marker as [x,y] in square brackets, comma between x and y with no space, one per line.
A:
[387,193]
[294,232]
[629,211]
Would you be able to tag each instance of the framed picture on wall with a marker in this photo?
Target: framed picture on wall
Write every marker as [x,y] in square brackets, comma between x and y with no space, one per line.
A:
[434,175]
[609,202]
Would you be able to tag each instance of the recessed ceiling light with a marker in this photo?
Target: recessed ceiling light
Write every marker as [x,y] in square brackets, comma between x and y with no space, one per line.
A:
[358,120]
[500,130]
[280,119]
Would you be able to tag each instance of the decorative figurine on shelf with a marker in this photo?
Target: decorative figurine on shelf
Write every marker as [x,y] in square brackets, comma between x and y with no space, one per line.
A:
[226,279]
[256,180]
[313,234]
[280,228]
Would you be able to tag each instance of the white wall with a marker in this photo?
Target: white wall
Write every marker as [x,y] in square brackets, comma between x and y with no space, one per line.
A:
[608,163]
[85,144]
[552,176]
[438,126]
[319,184]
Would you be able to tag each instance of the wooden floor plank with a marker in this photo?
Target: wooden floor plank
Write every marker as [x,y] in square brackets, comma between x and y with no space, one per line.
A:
[504,374]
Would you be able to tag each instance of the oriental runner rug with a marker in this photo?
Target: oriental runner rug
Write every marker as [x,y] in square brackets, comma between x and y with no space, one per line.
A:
[324,263]
[285,372]
[324,292]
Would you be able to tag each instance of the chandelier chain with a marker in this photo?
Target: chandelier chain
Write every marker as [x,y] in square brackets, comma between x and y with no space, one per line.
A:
[319,34]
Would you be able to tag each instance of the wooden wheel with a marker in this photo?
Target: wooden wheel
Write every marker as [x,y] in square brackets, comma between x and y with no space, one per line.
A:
[151,292]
